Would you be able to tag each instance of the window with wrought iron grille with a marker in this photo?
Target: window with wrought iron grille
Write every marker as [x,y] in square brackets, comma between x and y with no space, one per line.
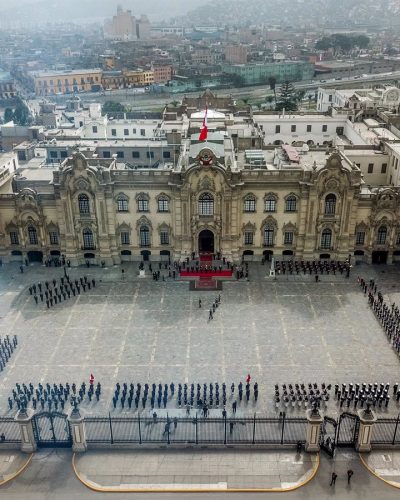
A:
[248,237]
[144,235]
[125,238]
[268,237]
[14,237]
[163,204]
[360,237]
[32,235]
[83,201]
[164,237]
[122,204]
[143,204]
[206,204]
[270,205]
[291,204]
[53,237]
[288,237]
[250,204]
[88,241]
[382,233]
[330,204]
[326,239]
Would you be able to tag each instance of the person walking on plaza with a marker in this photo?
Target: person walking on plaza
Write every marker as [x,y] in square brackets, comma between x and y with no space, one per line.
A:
[333,479]
[349,475]
[199,303]
[248,378]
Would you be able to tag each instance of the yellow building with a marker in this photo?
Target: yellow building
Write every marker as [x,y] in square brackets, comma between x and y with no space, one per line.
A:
[65,82]
[138,78]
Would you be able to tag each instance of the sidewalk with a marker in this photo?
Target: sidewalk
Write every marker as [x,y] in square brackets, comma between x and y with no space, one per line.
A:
[384,464]
[12,463]
[194,470]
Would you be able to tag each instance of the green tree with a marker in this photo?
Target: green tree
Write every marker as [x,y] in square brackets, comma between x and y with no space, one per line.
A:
[287,98]
[8,115]
[113,107]
[21,114]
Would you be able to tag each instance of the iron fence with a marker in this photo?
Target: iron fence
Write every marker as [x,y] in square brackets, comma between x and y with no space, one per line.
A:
[9,430]
[163,430]
[386,431]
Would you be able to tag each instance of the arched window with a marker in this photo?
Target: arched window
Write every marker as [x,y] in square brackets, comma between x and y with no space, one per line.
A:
[250,203]
[122,203]
[382,234]
[326,239]
[163,204]
[83,201]
[268,236]
[206,204]
[330,204]
[144,236]
[32,235]
[143,203]
[88,241]
[291,203]
[270,203]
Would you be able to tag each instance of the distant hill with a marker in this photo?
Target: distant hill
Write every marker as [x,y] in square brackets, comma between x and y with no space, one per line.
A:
[297,12]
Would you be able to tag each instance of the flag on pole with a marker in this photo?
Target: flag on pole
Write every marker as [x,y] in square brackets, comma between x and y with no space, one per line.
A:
[204,130]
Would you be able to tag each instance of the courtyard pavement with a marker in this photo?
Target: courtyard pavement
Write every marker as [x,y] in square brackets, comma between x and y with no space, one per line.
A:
[138,330]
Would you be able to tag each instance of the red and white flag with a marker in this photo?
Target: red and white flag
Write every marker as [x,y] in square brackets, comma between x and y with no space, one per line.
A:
[204,129]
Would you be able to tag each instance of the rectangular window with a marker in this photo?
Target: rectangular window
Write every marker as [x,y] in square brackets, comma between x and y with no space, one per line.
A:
[120,154]
[248,238]
[270,205]
[269,237]
[164,237]
[94,129]
[53,236]
[143,205]
[63,154]
[288,238]
[370,168]
[126,131]
[14,238]
[150,154]
[291,204]
[166,155]
[53,154]
[143,132]
[250,205]
[398,239]
[293,128]
[134,131]
[114,132]
[125,239]
[106,154]
[383,168]
[324,128]
[360,237]
[309,128]
[122,205]
[135,154]
[330,98]
[277,129]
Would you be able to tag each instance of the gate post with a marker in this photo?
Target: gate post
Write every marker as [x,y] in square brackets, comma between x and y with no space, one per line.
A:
[367,420]
[24,419]
[313,430]
[77,424]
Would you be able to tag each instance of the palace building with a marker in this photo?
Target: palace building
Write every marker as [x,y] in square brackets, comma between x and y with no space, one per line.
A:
[251,190]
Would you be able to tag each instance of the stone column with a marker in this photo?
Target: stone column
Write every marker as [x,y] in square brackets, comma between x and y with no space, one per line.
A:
[367,420]
[24,419]
[313,430]
[77,424]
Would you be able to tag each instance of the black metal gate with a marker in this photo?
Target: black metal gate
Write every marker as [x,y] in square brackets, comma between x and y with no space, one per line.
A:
[52,430]
[348,428]
[328,436]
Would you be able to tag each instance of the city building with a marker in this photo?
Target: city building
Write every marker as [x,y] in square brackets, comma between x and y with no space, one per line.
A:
[121,27]
[304,186]
[7,86]
[162,73]
[255,74]
[65,82]
[236,54]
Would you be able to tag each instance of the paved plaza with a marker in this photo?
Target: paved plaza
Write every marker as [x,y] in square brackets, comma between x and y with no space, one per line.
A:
[139,330]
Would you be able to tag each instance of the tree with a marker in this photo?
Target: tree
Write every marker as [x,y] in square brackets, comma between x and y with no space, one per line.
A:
[113,107]
[287,98]
[269,100]
[21,114]
[8,115]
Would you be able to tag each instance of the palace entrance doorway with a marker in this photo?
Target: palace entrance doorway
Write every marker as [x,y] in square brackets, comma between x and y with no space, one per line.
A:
[206,241]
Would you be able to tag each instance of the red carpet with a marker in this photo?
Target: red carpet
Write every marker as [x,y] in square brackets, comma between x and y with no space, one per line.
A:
[203,275]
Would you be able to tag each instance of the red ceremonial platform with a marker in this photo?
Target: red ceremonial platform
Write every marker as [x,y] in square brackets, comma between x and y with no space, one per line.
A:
[205,270]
